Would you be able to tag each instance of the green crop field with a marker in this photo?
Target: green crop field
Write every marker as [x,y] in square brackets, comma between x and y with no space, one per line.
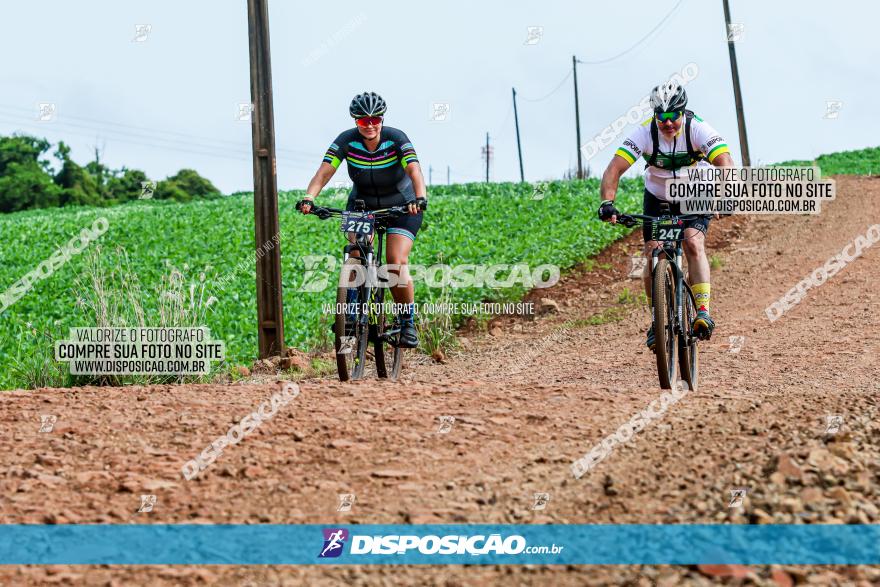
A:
[211,243]
[209,246]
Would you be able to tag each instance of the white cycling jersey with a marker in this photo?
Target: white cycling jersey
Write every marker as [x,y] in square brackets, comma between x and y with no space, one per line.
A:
[673,154]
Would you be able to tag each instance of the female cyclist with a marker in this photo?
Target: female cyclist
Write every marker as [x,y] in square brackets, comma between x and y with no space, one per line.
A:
[385,171]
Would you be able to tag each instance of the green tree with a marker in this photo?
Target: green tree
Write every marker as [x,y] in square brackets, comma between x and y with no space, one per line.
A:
[77,185]
[22,149]
[25,181]
[171,190]
[190,183]
[27,185]
[28,179]
[125,185]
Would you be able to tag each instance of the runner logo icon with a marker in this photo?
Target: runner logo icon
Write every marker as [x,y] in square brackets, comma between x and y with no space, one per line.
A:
[334,542]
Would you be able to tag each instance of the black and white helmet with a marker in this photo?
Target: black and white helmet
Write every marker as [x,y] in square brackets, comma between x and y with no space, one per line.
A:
[367,104]
[668,97]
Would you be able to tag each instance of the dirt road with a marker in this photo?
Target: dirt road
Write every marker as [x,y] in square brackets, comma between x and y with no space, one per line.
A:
[527,402]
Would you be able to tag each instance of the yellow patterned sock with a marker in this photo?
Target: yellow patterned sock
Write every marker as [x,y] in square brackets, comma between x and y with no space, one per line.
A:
[701,294]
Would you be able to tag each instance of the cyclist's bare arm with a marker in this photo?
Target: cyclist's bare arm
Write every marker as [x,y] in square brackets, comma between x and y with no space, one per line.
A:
[723,160]
[611,178]
[322,176]
[414,171]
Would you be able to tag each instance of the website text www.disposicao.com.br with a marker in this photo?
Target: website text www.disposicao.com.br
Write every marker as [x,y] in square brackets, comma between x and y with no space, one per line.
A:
[335,540]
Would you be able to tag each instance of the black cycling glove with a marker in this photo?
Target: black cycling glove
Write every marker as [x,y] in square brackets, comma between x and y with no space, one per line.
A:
[607,210]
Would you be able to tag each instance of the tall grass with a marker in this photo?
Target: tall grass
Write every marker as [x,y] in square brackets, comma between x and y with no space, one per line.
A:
[109,295]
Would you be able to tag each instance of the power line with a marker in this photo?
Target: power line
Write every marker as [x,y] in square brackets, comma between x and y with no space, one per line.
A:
[194,150]
[639,42]
[556,89]
[189,138]
[503,127]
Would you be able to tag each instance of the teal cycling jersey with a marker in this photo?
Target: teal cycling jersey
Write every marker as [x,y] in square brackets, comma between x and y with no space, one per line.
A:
[375,173]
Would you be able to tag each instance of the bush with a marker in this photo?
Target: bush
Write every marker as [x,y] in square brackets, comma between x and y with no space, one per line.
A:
[26,185]
[188,184]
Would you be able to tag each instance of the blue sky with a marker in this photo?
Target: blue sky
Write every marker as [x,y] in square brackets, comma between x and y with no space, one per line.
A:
[171,100]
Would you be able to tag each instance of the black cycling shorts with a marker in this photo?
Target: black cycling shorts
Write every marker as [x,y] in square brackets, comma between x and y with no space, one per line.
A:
[407,225]
[651,206]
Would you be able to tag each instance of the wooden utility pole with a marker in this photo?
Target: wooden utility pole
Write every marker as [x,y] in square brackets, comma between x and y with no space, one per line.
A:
[270,314]
[737,93]
[522,176]
[577,117]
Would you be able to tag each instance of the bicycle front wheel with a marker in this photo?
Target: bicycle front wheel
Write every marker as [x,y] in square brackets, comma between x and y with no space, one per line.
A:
[688,360]
[663,294]
[350,330]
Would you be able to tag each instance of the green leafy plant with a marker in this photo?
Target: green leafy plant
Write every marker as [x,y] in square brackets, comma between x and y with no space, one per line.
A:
[471,224]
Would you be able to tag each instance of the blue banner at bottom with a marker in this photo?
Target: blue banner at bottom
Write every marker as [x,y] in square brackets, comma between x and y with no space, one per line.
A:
[477,544]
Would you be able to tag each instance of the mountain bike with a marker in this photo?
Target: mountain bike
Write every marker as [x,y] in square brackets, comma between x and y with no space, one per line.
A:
[360,317]
[673,303]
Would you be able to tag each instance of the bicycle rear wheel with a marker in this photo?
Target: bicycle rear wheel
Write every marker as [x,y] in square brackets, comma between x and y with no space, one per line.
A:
[663,294]
[384,350]
[350,332]
[688,359]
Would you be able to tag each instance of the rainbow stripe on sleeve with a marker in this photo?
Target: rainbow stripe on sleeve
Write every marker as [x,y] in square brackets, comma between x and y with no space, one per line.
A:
[408,154]
[331,157]
[718,150]
[630,158]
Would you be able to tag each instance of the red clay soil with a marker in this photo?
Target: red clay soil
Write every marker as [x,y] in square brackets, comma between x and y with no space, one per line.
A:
[527,403]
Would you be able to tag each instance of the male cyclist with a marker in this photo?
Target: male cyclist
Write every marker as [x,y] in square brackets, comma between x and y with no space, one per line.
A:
[385,171]
[673,138]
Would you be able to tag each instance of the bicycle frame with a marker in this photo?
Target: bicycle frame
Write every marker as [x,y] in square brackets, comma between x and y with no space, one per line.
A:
[365,247]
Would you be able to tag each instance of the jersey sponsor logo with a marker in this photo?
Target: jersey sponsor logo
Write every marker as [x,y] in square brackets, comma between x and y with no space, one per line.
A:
[712,141]
[632,146]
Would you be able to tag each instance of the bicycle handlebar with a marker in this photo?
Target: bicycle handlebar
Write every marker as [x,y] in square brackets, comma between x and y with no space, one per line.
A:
[630,220]
[393,212]
[324,213]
